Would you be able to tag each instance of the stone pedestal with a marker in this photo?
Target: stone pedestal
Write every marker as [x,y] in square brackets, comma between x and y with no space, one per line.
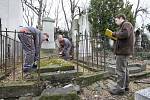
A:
[48,27]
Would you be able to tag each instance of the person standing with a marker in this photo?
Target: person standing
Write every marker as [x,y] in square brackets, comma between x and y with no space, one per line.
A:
[31,39]
[123,49]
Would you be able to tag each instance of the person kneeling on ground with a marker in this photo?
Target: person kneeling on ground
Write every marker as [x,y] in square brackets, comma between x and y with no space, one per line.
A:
[65,47]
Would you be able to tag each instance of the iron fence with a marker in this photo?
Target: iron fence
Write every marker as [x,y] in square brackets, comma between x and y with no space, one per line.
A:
[11,53]
[91,51]
[96,53]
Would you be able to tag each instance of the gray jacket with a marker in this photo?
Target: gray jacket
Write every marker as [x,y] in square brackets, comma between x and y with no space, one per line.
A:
[66,45]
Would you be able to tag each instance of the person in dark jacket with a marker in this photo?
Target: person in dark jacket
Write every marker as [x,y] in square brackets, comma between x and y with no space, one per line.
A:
[65,47]
[123,49]
[31,39]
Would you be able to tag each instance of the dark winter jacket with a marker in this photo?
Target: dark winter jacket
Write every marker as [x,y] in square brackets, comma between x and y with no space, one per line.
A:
[125,39]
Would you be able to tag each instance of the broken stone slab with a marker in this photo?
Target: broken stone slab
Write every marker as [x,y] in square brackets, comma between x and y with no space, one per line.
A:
[87,80]
[139,75]
[135,75]
[133,68]
[141,66]
[54,68]
[65,93]
[60,76]
[143,94]
[18,89]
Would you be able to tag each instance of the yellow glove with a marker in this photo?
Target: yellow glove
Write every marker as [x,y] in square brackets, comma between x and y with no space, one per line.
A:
[108,33]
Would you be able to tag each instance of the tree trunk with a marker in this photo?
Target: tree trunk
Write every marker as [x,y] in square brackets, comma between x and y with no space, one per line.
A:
[40,15]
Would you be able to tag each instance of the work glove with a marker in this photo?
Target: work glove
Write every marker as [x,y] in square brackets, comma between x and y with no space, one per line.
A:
[60,53]
[109,33]
[34,66]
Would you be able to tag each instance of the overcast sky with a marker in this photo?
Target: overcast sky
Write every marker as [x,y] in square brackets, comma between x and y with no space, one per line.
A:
[146,18]
[82,4]
[85,3]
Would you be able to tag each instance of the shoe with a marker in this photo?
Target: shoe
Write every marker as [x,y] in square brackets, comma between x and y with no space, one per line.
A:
[117,92]
[34,66]
[126,89]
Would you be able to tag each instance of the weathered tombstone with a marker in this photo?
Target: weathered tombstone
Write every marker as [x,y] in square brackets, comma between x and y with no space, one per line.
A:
[143,94]
[85,49]
[48,27]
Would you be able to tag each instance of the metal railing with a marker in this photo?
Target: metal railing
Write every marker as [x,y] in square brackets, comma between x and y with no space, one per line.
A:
[91,51]
[96,53]
[10,53]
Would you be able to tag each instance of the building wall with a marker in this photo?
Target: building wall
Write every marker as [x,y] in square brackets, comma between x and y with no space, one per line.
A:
[11,18]
[11,14]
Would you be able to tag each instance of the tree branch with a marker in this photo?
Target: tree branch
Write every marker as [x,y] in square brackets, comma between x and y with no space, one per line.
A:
[35,10]
[65,15]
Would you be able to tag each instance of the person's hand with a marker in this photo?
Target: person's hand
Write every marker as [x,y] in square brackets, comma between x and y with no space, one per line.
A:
[109,34]
[34,65]
[60,53]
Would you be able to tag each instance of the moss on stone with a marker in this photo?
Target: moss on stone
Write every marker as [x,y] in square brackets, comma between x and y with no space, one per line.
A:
[18,88]
[54,68]
[71,96]
[86,80]
[61,77]
[54,61]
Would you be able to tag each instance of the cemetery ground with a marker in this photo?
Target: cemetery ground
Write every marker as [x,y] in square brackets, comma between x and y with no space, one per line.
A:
[63,80]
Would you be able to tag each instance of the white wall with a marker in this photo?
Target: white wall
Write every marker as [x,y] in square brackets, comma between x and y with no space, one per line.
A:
[11,17]
[11,14]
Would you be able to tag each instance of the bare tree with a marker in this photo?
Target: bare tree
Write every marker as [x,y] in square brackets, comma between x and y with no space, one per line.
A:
[38,7]
[62,3]
[74,10]
[57,14]
[47,13]
[28,16]
[140,9]
[137,13]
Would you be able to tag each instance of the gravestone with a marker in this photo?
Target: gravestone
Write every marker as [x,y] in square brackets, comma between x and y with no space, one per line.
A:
[48,27]
[143,94]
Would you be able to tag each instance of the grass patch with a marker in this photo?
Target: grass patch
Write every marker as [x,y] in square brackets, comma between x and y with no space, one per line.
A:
[71,96]
[54,61]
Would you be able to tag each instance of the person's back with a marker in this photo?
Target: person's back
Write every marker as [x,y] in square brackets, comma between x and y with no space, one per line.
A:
[67,43]
[30,39]
[65,47]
